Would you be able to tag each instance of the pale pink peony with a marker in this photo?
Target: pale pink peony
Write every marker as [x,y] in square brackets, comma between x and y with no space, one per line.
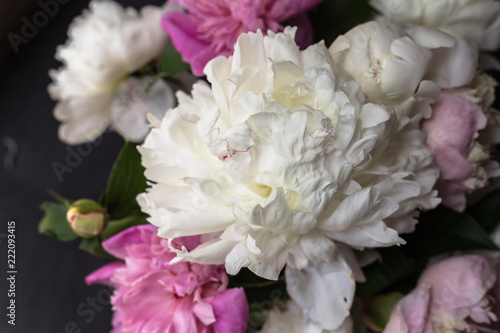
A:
[453,135]
[153,296]
[210,28]
[459,294]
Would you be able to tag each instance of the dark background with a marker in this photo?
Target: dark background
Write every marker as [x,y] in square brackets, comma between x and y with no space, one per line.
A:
[50,283]
[50,274]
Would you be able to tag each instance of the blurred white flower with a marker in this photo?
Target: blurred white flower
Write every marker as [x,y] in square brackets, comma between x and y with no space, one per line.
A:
[289,318]
[282,161]
[476,21]
[134,99]
[105,45]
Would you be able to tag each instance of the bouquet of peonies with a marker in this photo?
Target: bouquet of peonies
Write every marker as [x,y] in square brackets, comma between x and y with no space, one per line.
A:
[275,169]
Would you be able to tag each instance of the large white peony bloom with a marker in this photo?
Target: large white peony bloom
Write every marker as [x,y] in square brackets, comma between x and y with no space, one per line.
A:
[281,161]
[476,21]
[105,45]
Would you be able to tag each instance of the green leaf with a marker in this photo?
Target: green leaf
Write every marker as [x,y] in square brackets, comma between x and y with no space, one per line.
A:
[172,64]
[117,226]
[330,11]
[54,223]
[127,180]
[377,310]
[442,230]
[487,211]
[394,267]
[258,289]
[93,246]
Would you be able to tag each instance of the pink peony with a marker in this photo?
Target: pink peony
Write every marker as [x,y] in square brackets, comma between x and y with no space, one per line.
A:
[459,294]
[210,28]
[153,296]
[453,135]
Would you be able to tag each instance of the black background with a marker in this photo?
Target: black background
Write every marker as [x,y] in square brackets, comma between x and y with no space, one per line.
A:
[50,283]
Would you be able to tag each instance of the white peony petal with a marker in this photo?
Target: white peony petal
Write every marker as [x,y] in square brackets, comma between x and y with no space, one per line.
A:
[324,292]
[362,207]
[453,67]
[430,38]
[132,103]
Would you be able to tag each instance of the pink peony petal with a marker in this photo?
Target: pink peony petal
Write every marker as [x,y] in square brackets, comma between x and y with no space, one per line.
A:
[152,295]
[453,194]
[305,35]
[210,28]
[204,312]
[411,313]
[460,282]
[458,294]
[103,274]
[295,7]
[231,311]
[183,33]
[116,245]
[451,132]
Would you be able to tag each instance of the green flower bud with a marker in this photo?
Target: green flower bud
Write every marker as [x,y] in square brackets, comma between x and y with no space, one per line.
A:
[86,218]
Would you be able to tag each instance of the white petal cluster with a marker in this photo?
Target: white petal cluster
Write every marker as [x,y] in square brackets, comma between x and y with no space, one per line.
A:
[106,44]
[476,21]
[281,161]
[394,63]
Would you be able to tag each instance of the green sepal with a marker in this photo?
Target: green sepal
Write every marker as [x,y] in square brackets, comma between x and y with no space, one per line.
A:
[54,223]
[93,246]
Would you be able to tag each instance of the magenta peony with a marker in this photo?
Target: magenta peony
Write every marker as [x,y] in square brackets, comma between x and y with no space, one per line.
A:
[459,294]
[153,296]
[210,28]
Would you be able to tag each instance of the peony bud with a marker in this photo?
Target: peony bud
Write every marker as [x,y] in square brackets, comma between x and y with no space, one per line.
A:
[86,218]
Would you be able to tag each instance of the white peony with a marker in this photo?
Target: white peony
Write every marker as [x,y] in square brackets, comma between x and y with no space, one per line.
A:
[279,162]
[476,21]
[106,44]
[393,63]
